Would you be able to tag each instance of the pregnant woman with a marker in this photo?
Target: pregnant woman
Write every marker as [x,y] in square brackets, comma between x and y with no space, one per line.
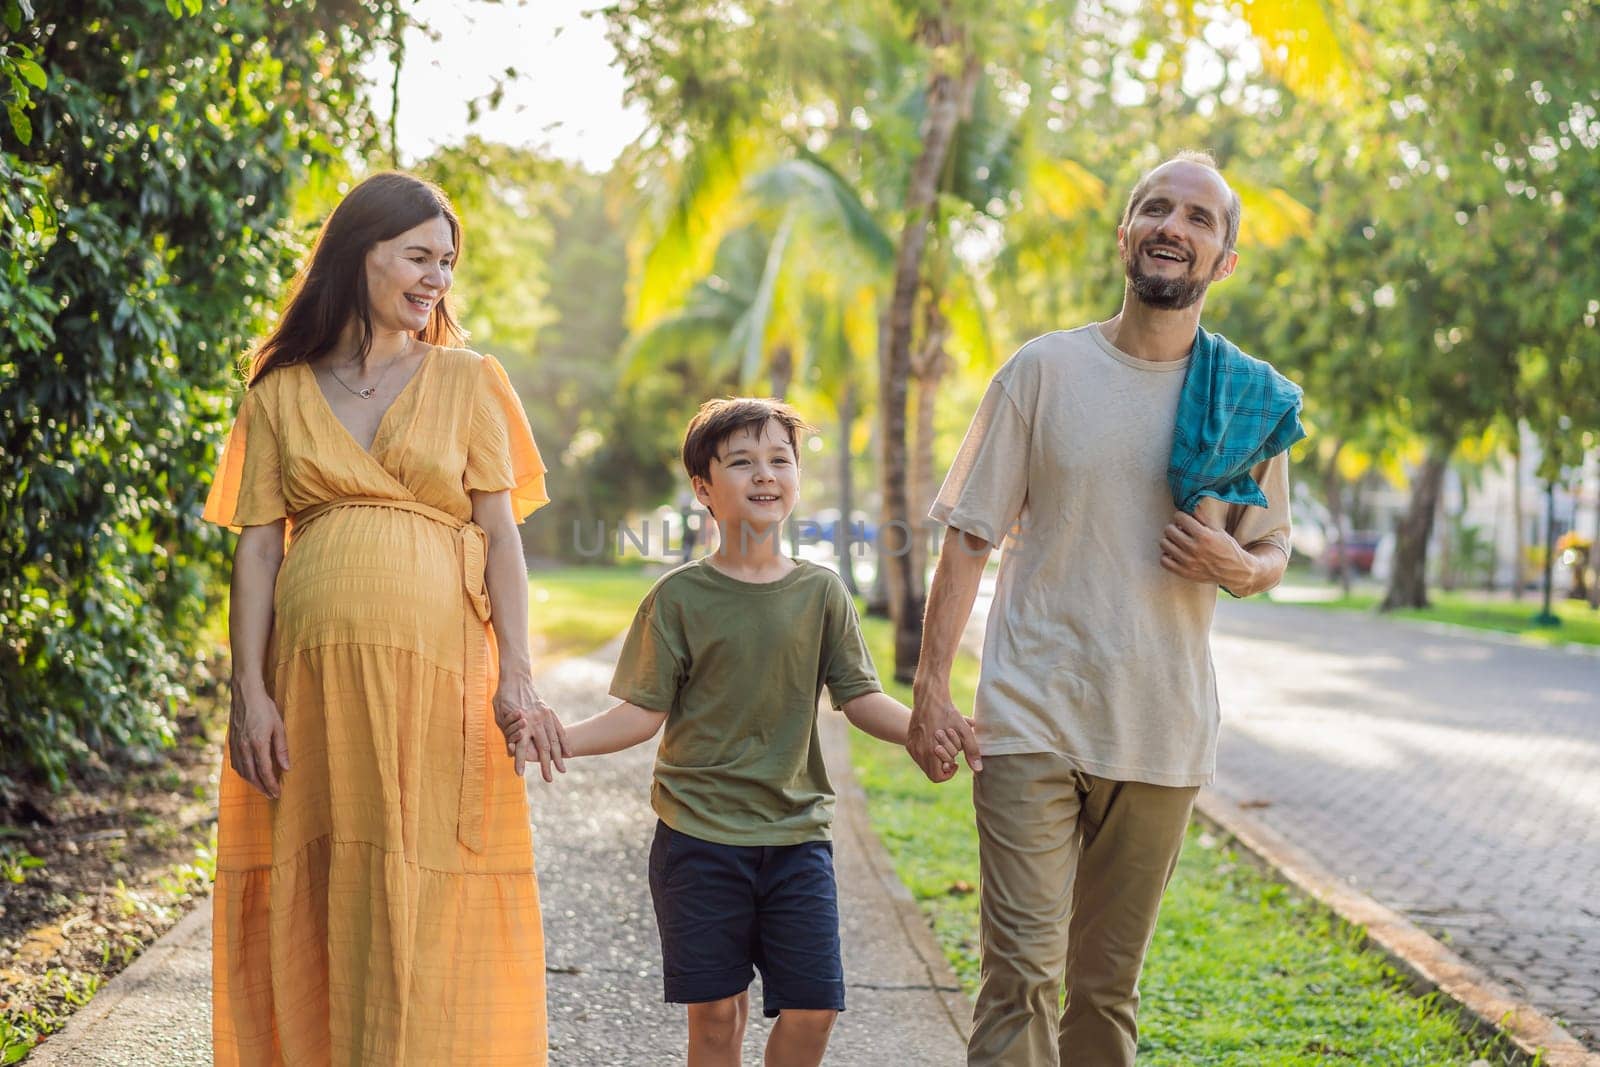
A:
[375,898]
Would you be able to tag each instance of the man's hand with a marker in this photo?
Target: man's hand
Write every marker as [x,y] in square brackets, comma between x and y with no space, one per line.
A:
[1191,549]
[934,716]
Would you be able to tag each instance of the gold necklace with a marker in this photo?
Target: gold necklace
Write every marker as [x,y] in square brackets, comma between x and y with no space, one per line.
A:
[370,391]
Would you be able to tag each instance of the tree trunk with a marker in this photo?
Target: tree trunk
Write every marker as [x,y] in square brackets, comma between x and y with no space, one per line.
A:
[782,370]
[928,370]
[946,99]
[1519,549]
[1333,489]
[1594,541]
[842,541]
[878,594]
[1408,585]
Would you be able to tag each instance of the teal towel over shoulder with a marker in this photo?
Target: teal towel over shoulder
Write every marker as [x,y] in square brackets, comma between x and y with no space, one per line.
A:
[1234,412]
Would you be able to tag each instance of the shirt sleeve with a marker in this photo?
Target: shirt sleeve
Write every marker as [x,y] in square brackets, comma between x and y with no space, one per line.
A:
[850,671]
[987,485]
[1271,524]
[501,453]
[248,488]
[653,665]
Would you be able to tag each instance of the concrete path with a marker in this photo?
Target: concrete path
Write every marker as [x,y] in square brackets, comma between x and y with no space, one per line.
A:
[1453,778]
[592,832]
[593,838]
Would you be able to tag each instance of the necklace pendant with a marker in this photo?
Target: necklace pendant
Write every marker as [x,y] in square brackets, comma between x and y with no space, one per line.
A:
[366,394]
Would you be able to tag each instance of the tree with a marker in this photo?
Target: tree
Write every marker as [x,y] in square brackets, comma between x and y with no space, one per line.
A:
[542,278]
[155,150]
[889,93]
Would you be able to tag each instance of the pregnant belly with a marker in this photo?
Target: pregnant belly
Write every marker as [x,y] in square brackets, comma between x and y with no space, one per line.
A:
[366,575]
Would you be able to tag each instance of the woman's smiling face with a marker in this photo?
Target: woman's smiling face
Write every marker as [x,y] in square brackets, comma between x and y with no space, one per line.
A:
[409,274]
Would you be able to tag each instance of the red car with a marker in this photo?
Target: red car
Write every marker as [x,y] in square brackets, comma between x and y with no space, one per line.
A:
[1359,547]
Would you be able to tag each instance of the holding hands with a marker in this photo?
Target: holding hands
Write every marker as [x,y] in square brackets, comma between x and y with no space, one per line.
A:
[939,733]
[533,732]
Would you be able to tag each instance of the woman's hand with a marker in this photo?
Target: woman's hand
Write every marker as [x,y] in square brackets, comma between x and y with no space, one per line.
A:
[532,729]
[256,737]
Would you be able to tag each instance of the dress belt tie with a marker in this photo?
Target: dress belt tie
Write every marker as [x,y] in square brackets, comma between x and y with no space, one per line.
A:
[473,545]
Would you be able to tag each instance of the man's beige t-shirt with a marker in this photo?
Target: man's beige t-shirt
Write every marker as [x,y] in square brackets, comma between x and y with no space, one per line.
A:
[1093,651]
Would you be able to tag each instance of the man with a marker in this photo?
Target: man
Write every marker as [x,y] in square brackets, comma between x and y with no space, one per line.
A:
[1096,706]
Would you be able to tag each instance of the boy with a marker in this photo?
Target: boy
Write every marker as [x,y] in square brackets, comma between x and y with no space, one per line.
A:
[731,653]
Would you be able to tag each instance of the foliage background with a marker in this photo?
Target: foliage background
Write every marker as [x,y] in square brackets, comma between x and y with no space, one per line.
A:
[150,166]
[1420,189]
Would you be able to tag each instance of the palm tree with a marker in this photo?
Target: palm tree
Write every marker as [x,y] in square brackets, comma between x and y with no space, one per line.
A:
[955,46]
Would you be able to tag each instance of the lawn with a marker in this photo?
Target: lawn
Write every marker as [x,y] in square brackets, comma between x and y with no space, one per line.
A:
[574,610]
[1242,970]
[1580,624]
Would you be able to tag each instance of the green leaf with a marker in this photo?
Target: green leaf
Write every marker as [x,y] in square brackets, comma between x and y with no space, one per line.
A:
[175,8]
[32,73]
[20,123]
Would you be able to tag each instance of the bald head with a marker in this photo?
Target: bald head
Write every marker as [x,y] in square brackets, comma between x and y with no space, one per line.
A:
[1196,166]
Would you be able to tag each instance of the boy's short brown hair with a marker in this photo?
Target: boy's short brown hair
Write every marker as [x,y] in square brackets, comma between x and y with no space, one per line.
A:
[718,420]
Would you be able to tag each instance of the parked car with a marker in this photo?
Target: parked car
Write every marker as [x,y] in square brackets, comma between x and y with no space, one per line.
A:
[823,526]
[1361,547]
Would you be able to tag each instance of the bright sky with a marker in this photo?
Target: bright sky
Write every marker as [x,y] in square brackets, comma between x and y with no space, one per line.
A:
[567,96]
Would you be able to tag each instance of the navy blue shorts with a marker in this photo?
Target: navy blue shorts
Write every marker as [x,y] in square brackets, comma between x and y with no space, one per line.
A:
[725,911]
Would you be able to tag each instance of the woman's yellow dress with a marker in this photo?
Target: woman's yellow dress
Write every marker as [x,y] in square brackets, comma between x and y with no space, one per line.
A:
[384,909]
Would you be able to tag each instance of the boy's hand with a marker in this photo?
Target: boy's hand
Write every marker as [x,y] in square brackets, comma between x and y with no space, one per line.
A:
[531,727]
[935,712]
[545,741]
[947,746]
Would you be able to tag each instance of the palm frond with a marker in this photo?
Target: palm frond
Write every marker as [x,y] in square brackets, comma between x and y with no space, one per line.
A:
[703,202]
[813,186]
[1271,216]
[1307,44]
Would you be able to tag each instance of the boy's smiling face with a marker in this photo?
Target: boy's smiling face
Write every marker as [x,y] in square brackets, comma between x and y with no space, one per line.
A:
[754,478]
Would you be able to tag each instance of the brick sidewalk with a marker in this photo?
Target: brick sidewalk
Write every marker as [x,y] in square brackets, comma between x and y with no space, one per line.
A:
[1453,778]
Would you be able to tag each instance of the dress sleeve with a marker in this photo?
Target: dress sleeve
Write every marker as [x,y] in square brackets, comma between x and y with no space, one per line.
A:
[501,453]
[248,488]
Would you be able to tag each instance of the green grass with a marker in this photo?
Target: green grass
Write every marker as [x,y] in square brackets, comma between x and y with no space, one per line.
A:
[1242,970]
[60,993]
[575,610]
[1580,624]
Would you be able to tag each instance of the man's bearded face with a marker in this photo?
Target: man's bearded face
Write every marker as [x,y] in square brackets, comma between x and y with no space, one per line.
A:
[1169,289]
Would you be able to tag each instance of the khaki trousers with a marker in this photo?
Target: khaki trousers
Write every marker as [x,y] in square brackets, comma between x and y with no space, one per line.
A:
[1072,872]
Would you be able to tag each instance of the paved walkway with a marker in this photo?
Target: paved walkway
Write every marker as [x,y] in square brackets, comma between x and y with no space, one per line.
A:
[592,832]
[1453,778]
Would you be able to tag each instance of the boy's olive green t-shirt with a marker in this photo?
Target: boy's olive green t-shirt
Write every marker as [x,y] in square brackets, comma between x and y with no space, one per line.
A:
[738,669]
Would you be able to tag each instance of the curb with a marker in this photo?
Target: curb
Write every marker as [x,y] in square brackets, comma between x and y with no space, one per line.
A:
[851,818]
[69,1044]
[1449,629]
[1418,955]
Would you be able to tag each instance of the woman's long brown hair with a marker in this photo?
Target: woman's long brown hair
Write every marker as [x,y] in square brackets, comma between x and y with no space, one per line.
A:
[331,289]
